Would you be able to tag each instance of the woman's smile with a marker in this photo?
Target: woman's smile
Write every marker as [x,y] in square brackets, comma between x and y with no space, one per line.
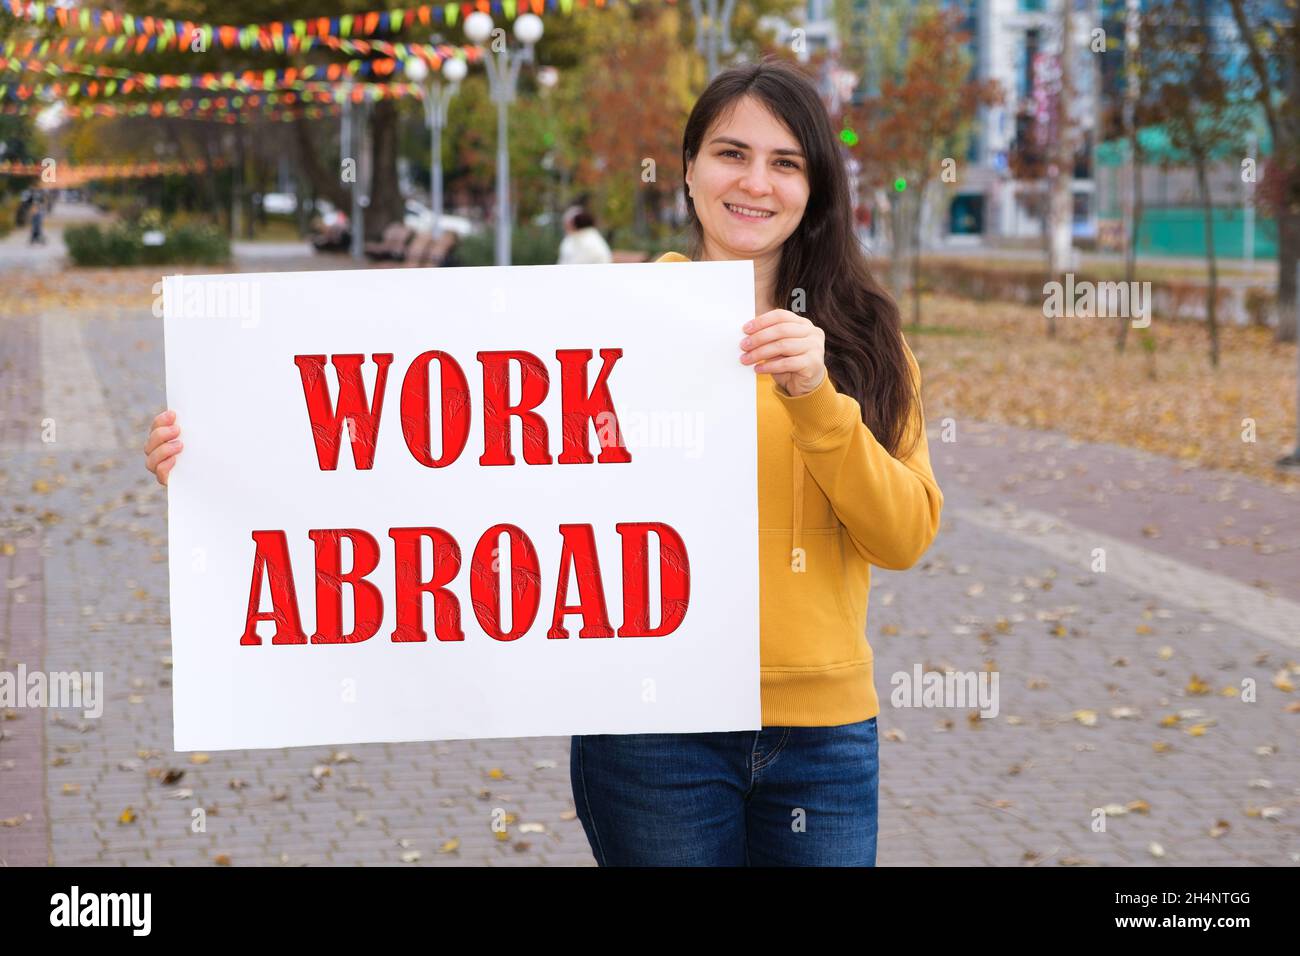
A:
[748,213]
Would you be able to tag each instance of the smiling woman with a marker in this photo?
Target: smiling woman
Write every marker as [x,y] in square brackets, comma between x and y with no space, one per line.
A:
[749,188]
[844,483]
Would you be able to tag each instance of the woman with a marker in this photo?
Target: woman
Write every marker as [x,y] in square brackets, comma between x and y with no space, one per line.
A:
[844,483]
[583,242]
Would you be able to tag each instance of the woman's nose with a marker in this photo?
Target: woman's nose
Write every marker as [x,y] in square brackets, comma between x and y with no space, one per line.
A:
[755,181]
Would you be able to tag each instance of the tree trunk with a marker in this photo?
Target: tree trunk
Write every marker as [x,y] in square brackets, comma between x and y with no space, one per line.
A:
[326,183]
[916,254]
[1061,200]
[385,194]
[1131,241]
[1288,249]
[1211,290]
[899,242]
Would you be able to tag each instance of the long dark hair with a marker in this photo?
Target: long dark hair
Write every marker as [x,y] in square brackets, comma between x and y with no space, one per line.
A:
[865,354]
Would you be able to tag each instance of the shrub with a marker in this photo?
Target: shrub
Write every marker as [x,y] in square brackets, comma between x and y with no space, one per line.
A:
[8,215]
[198,243]
[86,245]
[122,244]
[1260,304]
[530,246]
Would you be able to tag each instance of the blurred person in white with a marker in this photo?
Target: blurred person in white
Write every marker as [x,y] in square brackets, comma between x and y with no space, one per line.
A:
[582,242]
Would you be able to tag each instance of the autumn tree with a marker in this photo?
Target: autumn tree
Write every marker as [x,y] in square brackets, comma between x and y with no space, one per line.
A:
[1271,33]
[1190,89]
[912,133]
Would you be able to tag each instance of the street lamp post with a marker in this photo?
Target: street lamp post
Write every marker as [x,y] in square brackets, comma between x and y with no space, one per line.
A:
[436,101]
[547,79]
[352,147]
[503,78]
[713,30]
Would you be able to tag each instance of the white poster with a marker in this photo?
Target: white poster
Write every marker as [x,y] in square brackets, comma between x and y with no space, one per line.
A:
[426,504]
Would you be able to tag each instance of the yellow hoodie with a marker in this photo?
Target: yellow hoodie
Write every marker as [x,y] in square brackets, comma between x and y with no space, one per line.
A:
[831,503]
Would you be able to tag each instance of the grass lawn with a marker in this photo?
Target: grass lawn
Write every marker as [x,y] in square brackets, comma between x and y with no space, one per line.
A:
[994,362]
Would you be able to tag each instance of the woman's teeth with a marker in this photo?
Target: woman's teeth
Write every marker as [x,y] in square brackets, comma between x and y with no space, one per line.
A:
[747,212]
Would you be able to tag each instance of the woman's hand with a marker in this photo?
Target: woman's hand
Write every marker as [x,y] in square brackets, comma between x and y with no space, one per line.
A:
[163,446]
[788,346]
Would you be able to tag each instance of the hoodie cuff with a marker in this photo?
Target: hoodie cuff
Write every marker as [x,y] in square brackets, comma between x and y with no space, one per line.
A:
[816,414]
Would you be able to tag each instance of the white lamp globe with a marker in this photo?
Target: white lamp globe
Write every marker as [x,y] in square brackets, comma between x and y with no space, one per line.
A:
[478,27]
[528,28]
[454,69]
[416,70]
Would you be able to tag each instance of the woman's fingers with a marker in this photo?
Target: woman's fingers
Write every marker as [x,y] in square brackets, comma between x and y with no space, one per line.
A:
[787,364]
[776,349]
[779,330]
[163,445]
[762,321]
[161,434]
[162,453]
[164,469]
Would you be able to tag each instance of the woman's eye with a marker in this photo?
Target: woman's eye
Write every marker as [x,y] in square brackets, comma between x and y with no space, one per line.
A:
[735,152]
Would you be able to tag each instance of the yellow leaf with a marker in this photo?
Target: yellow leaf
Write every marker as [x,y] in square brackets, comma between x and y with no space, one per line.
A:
[1170,721]
[199,758]
[1197,686]
[128,816]
[1197,730]
[451,846]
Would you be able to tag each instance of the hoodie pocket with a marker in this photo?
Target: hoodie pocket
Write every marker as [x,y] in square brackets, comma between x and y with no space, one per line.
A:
[804,612]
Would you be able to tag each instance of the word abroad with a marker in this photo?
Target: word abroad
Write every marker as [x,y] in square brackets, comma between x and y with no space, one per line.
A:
[102,909]
[947,689]
[82,690]
[1087,300]
[577,558]
[362,412]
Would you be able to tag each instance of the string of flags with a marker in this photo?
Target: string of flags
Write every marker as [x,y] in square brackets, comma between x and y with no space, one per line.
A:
[244,79]
[69,175]
[210,109]
[164,33]
[339,92]
[353,35]
[122,45]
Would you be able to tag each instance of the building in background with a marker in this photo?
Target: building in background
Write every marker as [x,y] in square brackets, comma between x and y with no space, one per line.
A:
[999,198]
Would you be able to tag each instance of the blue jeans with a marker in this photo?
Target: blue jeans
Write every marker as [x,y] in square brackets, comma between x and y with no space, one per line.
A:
[781,796]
